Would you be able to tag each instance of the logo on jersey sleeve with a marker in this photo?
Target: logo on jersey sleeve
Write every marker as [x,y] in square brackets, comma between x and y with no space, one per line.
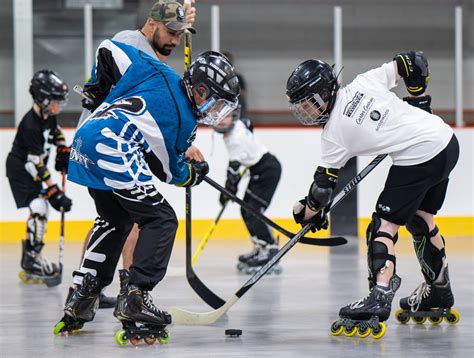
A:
[78,157]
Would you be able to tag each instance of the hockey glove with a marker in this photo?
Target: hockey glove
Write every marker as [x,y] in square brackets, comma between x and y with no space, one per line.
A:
[197,172]
[413,68]
[62,158]
[319,221]
[95,97]
[422,102]
[232,182]
[57,198]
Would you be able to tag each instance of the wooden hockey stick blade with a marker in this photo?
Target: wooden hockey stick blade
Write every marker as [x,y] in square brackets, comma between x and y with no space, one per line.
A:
[181,316]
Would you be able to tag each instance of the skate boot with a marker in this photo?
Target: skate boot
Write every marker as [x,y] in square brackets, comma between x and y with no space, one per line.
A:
[264,254]
[432,301]
[366,316]
[247,256]
[139,316]
[36,268]
[81,305]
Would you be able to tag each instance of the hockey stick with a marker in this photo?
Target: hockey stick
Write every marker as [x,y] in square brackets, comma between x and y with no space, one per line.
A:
[197,285]
[332,241]
[213,226]
[181,316]
[57,279]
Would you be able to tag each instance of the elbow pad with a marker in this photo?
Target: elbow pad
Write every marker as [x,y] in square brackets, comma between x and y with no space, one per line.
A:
[320,192]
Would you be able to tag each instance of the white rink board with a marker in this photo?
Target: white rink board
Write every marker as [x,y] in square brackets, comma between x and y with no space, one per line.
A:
[298,151]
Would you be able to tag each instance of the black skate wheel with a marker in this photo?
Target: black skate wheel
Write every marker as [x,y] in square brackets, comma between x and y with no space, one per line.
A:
[233,332]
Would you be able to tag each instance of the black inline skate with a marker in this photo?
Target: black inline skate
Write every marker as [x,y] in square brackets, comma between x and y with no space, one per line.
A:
[81,305]
[432,301]
[139,316]
[365,317]
[36,268]
[262,253]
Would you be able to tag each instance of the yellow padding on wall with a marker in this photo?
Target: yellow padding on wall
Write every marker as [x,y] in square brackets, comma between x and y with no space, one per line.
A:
[76,231]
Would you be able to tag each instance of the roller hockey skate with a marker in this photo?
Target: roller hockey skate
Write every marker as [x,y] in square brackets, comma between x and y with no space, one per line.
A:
[81,305]
[432,301]
[139,316]
[262,253]
[36,268]
[365,317]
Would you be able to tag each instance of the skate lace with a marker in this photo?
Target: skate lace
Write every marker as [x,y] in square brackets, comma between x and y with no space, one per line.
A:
[148,301]
[420,293]
[360,302]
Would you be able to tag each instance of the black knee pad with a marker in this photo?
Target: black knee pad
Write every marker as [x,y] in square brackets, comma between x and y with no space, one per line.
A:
[377,252]
[429,256]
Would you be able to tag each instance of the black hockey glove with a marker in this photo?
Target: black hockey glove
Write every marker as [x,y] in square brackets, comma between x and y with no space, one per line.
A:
[232,181]
[62,158]
[413,68]
[197,172]
[95,97]
[422,102]
[319,221]
[57,198]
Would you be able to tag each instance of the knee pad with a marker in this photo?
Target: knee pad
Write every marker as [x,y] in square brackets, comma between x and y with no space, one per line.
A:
[377,252]
[429,256]
[36,224]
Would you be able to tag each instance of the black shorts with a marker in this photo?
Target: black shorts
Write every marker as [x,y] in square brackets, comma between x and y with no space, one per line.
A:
[24,188]
[417,187]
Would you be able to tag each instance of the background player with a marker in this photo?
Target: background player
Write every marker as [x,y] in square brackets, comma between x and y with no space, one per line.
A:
[365,118]
[144,127]
[265,170]
[27,169]
[160,34]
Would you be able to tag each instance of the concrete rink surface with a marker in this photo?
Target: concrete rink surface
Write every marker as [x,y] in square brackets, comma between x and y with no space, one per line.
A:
[281,316]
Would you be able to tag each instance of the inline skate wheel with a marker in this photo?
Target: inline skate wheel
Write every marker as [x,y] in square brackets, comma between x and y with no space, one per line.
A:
[135,341]
[435,320]
[336,329]
[419,320]
[364,332]
[349,331]
[379,332]
[120,337]
[149,340]
[453,317]
[164,338]
[59,327]
[401,316]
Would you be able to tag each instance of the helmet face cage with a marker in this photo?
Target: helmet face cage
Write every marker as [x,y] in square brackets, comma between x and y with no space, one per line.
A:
[215,81]
[235,117]
[311,90]
[47,89]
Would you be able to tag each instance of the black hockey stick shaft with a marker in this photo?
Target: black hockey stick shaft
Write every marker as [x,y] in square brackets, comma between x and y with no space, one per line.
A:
[335,202]
[196,284]
[333,241]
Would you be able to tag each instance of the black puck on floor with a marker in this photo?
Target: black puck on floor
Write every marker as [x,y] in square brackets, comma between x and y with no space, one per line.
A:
[233,332]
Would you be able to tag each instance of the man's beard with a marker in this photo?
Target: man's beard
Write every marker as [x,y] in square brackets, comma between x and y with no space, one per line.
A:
[162,50]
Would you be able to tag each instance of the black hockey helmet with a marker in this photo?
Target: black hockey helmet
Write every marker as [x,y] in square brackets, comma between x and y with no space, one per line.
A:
[311,90]
[212,86]
[47,86]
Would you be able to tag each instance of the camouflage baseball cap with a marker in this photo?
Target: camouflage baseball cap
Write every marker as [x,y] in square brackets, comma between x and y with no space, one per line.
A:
[171,13]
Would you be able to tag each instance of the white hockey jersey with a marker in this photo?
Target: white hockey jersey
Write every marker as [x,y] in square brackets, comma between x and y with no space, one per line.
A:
[368,119]
[242,145]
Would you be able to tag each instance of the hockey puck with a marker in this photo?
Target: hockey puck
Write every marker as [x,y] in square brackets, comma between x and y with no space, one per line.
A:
[233,332]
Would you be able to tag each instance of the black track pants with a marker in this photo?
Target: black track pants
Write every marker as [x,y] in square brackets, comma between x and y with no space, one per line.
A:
[264,178]
[118,210]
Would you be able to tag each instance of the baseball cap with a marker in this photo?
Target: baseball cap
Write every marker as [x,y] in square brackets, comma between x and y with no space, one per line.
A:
[171,13]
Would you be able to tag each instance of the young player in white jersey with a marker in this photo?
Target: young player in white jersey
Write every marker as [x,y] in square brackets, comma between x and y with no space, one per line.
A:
[265,170]
[366,119]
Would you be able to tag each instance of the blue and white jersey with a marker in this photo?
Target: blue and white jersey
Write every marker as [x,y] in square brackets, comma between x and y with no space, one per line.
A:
[144,126]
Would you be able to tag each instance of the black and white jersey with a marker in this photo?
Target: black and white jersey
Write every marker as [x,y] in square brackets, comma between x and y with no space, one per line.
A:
[368,119]
[35,137]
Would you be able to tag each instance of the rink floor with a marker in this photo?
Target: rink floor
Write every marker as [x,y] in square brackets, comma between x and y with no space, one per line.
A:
[281,316]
